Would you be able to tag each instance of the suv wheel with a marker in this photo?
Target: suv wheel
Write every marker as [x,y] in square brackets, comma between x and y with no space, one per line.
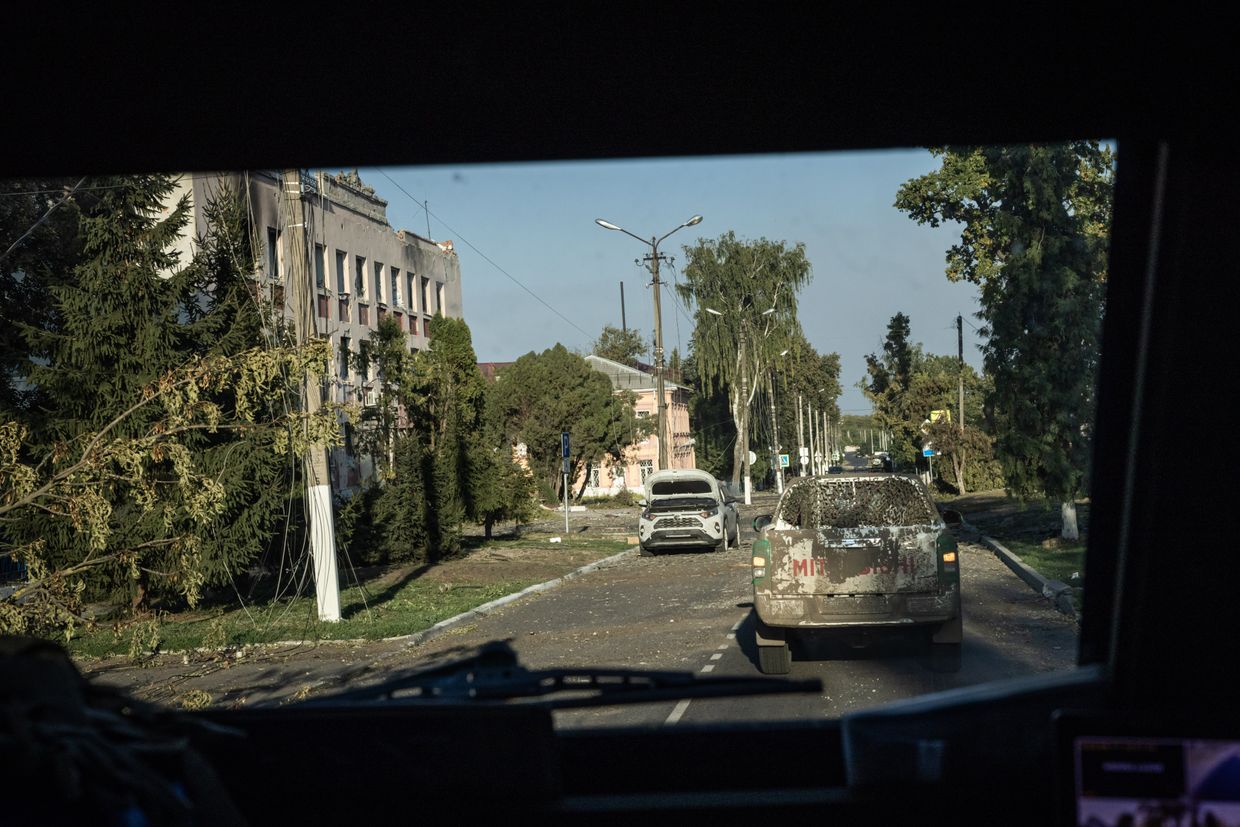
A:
[644,552]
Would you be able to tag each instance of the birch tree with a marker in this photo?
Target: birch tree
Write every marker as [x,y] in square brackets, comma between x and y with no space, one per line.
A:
[744,297]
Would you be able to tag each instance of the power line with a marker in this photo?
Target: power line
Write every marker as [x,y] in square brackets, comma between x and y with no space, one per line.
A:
[466,242]
[39,223]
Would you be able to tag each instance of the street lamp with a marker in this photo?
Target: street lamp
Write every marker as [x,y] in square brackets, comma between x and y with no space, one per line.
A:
[654,258]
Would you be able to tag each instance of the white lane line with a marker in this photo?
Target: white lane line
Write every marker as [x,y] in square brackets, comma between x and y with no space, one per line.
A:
[737,625]
[710,667]
[723,647]
[677,713]
[716,656]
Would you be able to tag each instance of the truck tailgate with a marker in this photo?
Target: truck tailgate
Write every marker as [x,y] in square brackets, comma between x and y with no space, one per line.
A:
[851,561]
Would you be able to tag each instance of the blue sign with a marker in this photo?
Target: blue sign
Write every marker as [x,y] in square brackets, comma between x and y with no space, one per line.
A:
[564,444]
[783,460]
[929,452]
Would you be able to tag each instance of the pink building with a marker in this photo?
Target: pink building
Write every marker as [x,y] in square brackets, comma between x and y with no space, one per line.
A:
[642,457]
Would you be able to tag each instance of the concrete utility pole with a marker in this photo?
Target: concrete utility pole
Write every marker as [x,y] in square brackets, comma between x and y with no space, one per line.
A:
[801,454]
[653,259]
[318,482]
[658,353]
[743,436]
[623,324]
[779,469]
[813,455]
[960,353]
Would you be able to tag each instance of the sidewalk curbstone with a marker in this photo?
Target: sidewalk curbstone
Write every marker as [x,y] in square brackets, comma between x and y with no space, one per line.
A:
[1058,593]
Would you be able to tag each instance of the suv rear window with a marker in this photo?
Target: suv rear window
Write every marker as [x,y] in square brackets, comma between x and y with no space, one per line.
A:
[673,487]
[856,503]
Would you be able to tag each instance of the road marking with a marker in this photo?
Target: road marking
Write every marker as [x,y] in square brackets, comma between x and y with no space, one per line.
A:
[723,647]
[731,635]
[677,713]
[710,667]
[737,625]
[716,656]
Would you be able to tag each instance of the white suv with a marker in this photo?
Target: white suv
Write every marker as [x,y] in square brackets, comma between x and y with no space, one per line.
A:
[685,508]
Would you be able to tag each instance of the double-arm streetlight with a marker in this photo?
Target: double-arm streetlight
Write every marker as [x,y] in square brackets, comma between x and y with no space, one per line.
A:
[653,258]
[742,427]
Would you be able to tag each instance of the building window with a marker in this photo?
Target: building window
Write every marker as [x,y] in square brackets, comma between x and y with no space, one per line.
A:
[320,267]
[363,314]
[409,285]
[646,466]
[342,278]
[394,280]
[378,274]
[324,307]
[413,325]
[359,277]
[344,357]
[439,299]
[426,295]
[273,253]
[594,475]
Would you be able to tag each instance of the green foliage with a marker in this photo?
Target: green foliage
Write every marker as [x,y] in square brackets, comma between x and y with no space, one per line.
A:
[1036,225]
[752,287]
[161,452]
[623,346]
[542,394]
[385,350]
[138,507]
[38,256]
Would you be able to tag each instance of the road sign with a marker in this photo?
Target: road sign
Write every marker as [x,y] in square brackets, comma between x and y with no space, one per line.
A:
[565,466]
[783,461]
[564,445]
[752,457]
[930,452]
[804,452]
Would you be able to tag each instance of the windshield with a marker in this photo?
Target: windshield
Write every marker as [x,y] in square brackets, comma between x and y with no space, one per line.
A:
[250,415]
[679,487]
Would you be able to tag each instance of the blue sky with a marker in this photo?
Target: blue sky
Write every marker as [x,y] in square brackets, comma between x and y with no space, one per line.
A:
[536,221]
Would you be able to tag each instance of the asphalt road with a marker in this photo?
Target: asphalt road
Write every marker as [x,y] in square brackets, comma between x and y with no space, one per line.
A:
[691,611]
[686,611]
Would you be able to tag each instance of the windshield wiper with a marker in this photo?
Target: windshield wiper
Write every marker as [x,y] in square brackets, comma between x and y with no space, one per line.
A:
[494,676]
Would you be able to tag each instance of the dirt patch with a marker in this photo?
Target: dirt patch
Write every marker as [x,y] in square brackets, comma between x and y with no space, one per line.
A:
[497,565]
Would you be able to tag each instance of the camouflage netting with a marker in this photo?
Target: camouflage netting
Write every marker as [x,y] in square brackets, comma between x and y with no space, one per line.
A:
[852,503]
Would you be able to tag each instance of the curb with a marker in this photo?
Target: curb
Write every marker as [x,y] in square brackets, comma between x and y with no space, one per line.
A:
[1057,592]
[415,638]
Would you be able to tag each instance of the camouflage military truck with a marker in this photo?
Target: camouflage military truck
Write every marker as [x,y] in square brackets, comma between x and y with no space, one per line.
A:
[857,555]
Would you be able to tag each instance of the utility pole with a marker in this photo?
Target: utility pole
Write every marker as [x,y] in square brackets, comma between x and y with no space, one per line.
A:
[658,355]
[623,325]
[801,454]
[813,455]
[654,259]
[318,483]
[960,353]
[779,470]
[743,436]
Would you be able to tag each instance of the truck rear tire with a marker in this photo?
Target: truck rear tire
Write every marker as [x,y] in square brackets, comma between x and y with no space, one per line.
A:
[774,660]
[774,656]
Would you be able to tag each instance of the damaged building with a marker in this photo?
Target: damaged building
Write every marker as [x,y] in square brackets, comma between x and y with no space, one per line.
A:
[363,271]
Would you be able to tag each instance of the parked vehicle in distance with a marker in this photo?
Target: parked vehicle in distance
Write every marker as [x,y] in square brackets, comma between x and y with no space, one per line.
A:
[686,508]
[855,555]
